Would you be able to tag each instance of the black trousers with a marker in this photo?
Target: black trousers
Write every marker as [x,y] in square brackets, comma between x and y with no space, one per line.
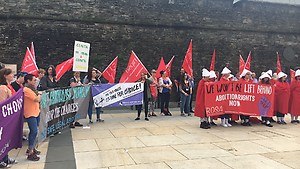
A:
[191,102]
[243,117]
[139,108]
[278,114]
[164,101]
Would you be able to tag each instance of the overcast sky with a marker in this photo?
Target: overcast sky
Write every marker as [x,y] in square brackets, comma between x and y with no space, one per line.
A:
[297,2]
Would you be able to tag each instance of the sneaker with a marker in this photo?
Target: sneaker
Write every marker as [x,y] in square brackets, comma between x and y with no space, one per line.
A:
[91,122]
[137,118]
[146,119]
[213,123]
[224,125]
[77,124]
[33,157]
[24,138]
[183,115]
[203,126]
[169,114]
[269,125]
[11,161]
[72,125]
[100,120]
[35,151]
[189,114]
[4,165]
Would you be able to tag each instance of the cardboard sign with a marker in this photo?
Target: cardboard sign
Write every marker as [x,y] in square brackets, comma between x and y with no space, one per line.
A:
[81,56]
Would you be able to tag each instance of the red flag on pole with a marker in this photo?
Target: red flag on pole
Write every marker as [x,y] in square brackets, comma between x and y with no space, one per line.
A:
[292,74]
[213,60]
[134,69]
[248,62]
[242,64]
[161,66]
[29,64]
[169,67]
[62,68]
[110,72]
[187,62]
[278,64]
[32,51]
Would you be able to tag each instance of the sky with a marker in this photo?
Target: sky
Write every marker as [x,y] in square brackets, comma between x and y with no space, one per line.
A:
[293,2]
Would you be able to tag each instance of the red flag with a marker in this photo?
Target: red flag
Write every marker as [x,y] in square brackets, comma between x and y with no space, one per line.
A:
[242,64]
[32,51]
[134,69]
[213,60]
[187,62]
[169,67]
[29,64]
[292,74]
[278,64]
[161,66]
[248,62]
[62,68]
[110,72]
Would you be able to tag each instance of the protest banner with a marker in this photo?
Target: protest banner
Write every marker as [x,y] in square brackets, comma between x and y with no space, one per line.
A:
[81,56]
[239,98]
[60,107]
[11,123]
[120,94]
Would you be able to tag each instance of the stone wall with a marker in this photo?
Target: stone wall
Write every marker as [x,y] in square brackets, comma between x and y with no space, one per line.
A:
[152,28]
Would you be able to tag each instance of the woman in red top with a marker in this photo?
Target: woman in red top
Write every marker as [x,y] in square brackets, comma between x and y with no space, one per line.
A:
[295,98]
[200,100]
[282,95]
[245,77]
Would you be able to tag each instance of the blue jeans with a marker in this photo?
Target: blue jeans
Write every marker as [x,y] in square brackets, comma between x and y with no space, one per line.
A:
[33,123]
[185,103]
[90,110]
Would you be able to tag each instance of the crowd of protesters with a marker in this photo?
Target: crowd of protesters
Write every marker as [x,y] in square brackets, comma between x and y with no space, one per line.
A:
[155,90]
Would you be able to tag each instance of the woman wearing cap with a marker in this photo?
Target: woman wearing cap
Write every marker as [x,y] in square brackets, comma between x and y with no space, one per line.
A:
[282,95]
[49,80]
[32,115]
[185,89]
[225,78]
[6,91]
[212,78]
[165,86]
[200,100]
[245,77]
[295,98]
[265,79]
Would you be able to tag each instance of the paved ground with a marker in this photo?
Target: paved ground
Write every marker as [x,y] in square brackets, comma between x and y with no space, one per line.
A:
[168,142]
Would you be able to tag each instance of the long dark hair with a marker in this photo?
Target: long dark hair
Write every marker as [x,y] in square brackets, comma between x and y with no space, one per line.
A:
[53,71]
[4,72]
[182,79]
[89,75]
[265,82]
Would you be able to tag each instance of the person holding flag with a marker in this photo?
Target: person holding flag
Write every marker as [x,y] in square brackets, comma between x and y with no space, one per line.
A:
[147,95]
[200,100]
[49,80]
